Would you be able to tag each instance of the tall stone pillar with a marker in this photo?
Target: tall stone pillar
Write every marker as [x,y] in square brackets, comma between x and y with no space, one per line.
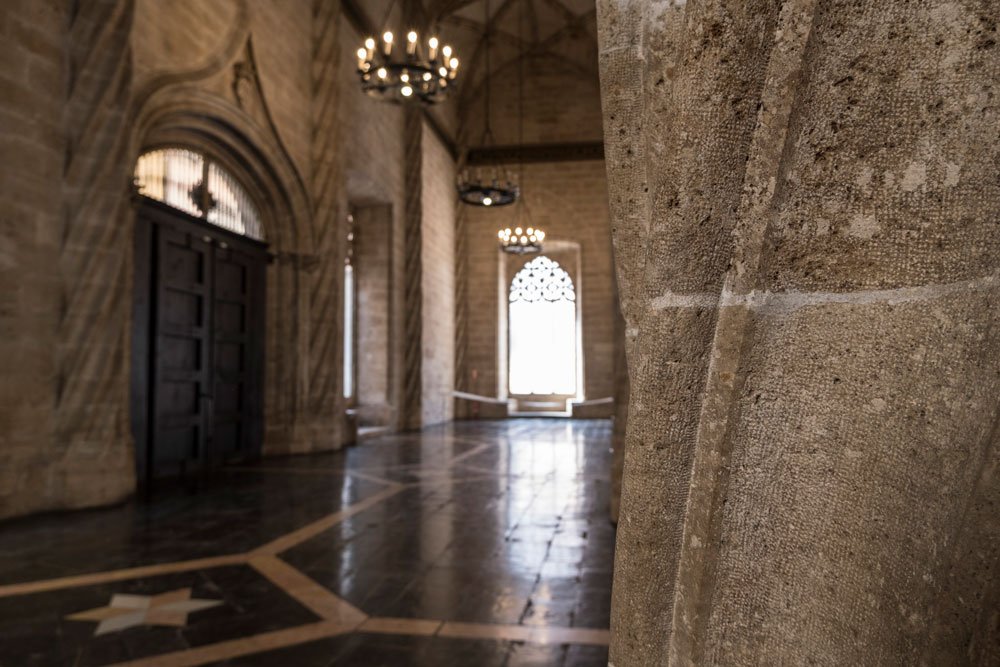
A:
[326,326]
[91,461]
[806,230]
[410,409]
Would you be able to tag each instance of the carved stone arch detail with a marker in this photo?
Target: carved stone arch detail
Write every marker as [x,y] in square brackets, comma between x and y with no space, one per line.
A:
[187,115]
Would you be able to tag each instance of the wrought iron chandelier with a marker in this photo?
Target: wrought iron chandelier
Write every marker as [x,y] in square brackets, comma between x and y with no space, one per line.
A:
[521,241]
[407,73]
[491,185]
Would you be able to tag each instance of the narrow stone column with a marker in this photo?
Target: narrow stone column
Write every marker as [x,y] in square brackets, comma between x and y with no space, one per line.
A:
[814,297]
[410,410]
[92,460]
[326,326]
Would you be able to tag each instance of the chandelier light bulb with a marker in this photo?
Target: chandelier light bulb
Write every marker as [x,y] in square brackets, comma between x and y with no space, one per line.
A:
[518,231]
[454,63]
[443,71]
[370,43]
[487,201]
[387,37]
[446,51]
[530,231]
[382,73]
[404,77]
[411,37]
[406,91]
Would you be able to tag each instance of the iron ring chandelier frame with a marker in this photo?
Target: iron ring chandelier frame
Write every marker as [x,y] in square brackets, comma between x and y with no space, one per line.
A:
[418,75]
[521,241]
[478,192]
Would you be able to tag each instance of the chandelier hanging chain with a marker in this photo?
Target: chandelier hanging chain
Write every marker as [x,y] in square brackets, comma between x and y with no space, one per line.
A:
[492,185]
[522,207]
[525,238]
[487,34]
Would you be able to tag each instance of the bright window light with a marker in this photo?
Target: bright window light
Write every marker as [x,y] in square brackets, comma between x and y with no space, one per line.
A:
[348,331]
[542,330]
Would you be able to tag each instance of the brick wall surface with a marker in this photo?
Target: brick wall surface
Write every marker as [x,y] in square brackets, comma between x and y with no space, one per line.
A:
[438,268]
[372,243]
[561,104]
[569,201]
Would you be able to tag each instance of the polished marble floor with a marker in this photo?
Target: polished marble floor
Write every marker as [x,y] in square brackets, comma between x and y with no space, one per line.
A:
[475,543]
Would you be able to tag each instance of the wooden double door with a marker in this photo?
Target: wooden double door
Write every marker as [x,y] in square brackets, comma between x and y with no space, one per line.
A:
[204,344]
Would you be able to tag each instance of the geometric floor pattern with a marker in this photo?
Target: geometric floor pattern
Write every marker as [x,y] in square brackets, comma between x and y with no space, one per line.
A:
[478,543]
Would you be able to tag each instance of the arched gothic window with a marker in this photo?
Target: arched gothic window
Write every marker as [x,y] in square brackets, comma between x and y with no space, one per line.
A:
[542,312]
[193,183]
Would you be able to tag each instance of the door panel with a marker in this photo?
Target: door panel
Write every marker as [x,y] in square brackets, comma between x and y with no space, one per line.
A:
[181,368]
[232,342]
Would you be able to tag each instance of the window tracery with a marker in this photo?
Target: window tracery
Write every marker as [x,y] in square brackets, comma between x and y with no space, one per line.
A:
[542,279]
[193,183]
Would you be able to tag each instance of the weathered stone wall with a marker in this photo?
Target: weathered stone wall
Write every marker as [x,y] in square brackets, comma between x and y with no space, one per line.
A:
[805,202]
[569,201]
[33,146]
[438,282]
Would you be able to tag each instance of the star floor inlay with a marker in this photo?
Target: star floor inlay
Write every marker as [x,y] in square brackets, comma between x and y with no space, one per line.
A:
[128,611]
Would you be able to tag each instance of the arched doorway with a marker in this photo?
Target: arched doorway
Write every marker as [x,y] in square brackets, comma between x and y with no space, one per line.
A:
[200,290]
[542,321]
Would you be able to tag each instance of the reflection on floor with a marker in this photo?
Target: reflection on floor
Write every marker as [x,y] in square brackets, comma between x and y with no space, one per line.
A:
[476,543]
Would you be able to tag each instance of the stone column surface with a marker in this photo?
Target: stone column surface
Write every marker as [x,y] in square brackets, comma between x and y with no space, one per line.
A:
[806,216]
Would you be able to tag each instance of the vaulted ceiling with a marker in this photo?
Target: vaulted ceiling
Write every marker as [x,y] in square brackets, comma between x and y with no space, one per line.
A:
[563,30]
[535,31]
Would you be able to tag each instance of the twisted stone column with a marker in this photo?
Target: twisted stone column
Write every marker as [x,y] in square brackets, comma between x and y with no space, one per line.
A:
[410,413]
[329,217]
[461,306]
[95,260]
[806,238]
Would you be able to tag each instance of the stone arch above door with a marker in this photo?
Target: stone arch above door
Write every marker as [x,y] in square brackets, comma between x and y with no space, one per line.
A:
[188,115]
